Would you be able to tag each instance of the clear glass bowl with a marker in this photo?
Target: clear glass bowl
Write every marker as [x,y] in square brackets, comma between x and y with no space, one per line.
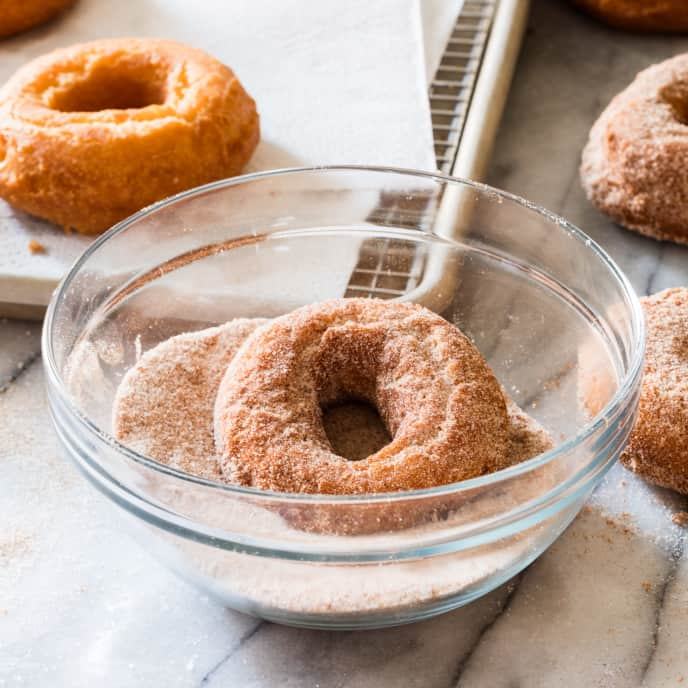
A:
[553,315]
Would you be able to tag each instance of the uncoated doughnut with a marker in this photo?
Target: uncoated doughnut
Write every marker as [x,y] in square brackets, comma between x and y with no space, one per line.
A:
[441,403]
[21,15]
[92,133]
[639,15]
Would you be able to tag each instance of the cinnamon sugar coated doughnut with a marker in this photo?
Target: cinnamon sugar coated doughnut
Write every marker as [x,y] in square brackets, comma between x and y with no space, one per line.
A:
[92,133]
[164,408]
[658,447]
[639,15]
[21,15]
[434,391]
[633,166]
[164,404]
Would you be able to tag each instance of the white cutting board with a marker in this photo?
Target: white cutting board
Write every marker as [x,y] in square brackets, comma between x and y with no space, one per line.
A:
[356,93]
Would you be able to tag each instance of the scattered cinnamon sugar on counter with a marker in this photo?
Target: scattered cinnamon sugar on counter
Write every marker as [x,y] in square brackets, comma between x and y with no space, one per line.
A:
[36,247]
[14,546]
[621,522]
[680,519]
[647,586]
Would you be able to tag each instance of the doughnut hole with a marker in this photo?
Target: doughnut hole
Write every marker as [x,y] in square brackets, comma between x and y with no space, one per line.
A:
[121,85]
[346,372]
[355,429]
[676,96]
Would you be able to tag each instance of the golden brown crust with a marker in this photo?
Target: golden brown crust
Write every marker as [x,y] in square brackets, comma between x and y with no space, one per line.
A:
[633,166]
[658,448]
[639,15]
[434,391]
[164,405]
[21,15]
[92,133]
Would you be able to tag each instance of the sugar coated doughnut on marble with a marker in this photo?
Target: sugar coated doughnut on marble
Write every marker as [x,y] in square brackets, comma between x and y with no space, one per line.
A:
[634,164]
[658,448]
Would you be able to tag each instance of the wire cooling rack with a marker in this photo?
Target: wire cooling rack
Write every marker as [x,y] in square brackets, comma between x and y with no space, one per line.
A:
[454,82]
[396,267]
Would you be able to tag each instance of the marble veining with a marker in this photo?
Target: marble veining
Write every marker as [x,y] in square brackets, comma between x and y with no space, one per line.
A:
[83,605]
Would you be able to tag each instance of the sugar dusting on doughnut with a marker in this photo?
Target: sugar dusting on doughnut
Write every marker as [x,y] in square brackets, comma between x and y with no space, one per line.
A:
[96,131]
[634,164]
[164,406]
[441,403]
[658,447]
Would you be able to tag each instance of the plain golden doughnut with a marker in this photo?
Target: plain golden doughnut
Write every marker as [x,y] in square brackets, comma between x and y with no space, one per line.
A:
[639,15]
[92,133]
[21,15]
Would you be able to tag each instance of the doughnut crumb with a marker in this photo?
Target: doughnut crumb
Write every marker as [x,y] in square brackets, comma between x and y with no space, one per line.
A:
[36,247]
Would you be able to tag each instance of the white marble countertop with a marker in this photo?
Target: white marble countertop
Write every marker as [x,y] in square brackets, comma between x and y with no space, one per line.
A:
[607,605]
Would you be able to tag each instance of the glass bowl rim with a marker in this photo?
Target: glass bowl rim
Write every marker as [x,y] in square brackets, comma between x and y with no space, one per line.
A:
[599,421]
